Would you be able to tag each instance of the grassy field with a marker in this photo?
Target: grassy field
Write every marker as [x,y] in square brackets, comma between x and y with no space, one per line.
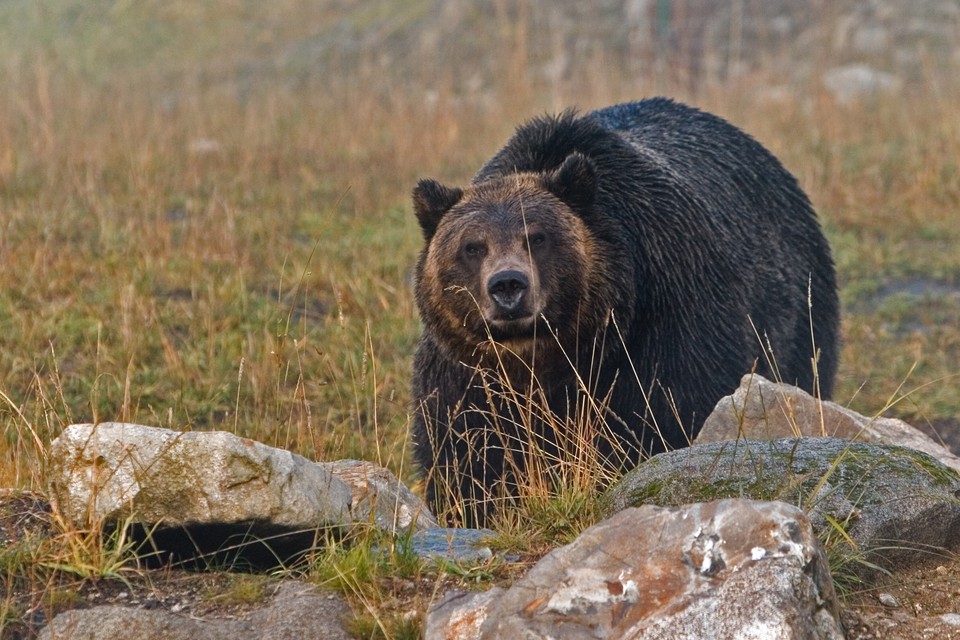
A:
[205,218]
[199,233]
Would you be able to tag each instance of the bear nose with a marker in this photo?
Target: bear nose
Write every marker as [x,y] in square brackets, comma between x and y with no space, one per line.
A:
[507,288]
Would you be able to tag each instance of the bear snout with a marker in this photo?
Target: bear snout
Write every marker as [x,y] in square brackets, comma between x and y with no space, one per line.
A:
[508,289]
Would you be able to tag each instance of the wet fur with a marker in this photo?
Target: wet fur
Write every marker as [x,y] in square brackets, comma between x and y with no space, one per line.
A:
[689,236]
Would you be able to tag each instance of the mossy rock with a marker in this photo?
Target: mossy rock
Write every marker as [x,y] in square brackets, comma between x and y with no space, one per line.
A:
[891,505]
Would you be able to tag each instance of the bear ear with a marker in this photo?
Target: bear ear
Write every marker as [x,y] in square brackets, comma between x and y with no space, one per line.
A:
[430,201]
[574,182]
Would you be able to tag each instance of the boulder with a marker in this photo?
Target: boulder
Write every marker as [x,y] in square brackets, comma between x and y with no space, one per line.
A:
[115,622]
[763,410]
[460,614]
[296,612]
[108,471]
[888,506]
[725,569]
[218,496]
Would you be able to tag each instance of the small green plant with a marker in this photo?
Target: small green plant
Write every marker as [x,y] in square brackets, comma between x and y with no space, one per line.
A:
[848,562]
[10,613]
[476,572]
[242,588]
[542,522]
[372,569]
[386,627]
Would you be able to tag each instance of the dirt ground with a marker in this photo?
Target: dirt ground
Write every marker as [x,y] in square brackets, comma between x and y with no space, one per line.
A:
[910,607]
[920,604]
[195,595]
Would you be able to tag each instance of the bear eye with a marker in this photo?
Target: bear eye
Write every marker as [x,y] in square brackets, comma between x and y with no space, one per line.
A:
[473,250]
[537,239]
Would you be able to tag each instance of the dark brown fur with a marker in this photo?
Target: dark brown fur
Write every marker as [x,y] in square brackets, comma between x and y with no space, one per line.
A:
[636,261]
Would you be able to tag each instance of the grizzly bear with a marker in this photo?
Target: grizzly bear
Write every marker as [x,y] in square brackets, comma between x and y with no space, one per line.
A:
[622,268]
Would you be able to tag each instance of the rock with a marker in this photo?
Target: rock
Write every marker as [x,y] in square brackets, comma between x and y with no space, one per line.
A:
[219,497]
[460,615]
[380,497]
[301,612]
[455,545]
[952,619]
[764,410]
[897,505]
[105,472]
[297,611]
[725,569]
[888,600]
[851,83]
[127,623]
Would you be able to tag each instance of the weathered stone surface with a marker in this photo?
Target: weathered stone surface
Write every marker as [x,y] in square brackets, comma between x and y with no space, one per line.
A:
[725,569]
[217,496]
[297,611]
[113,622]
[897,504]
[103,472]
[301,612]
[380,497]
[763,410]
[460,614]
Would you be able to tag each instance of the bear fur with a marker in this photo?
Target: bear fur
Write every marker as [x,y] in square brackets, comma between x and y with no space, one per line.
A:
[624,267]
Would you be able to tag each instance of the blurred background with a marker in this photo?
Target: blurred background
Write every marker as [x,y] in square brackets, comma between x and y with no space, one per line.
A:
[204,206]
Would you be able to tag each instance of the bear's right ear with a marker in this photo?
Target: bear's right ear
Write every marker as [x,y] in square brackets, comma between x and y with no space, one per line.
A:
[430,201]
[574,182]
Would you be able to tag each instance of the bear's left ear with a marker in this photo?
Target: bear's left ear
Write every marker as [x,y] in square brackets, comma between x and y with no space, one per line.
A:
[430,201]
[574,182]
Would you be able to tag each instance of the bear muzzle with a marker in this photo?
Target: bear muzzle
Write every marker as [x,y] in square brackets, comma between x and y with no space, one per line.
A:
[509,290]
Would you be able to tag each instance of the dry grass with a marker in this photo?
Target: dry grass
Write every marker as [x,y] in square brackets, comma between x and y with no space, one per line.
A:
[552,466]
[147,255]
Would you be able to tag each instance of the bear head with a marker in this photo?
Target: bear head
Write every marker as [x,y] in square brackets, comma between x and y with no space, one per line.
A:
[510,258]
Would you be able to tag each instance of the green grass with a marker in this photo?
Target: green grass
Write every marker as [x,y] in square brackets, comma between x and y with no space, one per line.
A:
[389,586]
[205,219]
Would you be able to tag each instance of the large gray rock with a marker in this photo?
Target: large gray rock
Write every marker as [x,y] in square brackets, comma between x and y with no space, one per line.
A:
[896,504]
[296,612]
[115,622]
[726,569]
[105,472]
[763,410]
[218,496]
